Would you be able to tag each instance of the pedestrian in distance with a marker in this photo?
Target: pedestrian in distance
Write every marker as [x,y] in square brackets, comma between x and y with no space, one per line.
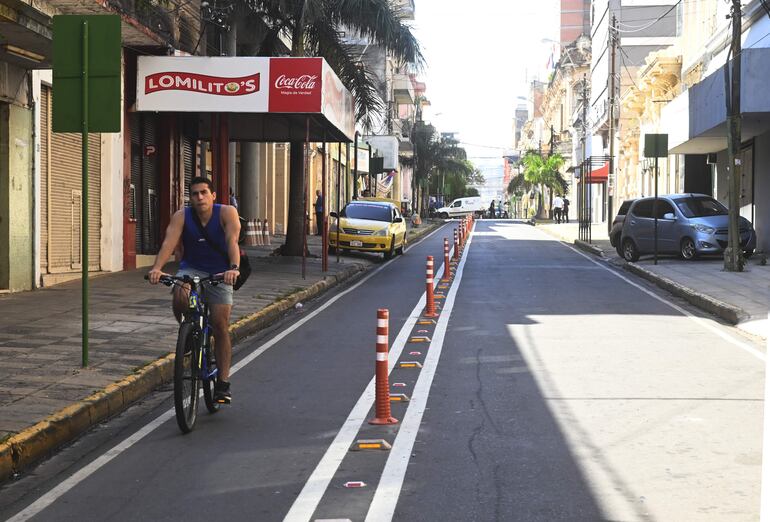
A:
[233,200]
[194,228]
[492,210]
[565,210]
[558,204]
[319,212]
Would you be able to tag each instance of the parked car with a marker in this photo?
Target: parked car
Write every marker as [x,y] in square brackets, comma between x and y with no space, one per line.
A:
[617,225]
[688,224]
[462,207]
[369,226]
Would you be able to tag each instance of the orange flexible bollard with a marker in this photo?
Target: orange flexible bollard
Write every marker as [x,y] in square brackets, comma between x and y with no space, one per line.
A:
[457,246]
[430,304]
[251,234]
[382,389]
[447,271]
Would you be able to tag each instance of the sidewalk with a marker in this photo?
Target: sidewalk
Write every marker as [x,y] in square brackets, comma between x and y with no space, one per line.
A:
[741,298]
[47,399]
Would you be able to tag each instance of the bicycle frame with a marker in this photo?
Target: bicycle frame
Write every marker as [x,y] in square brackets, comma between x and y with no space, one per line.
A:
[198,314]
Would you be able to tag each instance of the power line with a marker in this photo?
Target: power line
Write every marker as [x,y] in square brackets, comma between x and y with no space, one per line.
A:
[638,29]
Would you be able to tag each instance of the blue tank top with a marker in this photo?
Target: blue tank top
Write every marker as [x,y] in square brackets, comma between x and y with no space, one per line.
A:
[198,253]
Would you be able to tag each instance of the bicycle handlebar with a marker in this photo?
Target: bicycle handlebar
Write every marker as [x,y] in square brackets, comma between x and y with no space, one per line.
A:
[169,280]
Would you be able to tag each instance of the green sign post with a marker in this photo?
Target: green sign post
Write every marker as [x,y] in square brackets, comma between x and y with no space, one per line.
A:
[655,146]
[86,98]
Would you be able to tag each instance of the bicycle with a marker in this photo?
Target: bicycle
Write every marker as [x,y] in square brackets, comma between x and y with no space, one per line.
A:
[194,362]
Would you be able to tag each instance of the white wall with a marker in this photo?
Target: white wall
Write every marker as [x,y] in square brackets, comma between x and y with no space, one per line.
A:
[762,191]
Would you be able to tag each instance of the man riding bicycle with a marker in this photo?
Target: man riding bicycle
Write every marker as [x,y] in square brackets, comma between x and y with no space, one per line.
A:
[200,258]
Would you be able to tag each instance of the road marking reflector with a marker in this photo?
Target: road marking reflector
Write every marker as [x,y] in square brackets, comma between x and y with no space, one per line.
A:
[426,321]
[409,364]
[415,353]
[422,331]
[399,384]
[370,444]
[399,397]
[438,296]
[354,484]
[419,339]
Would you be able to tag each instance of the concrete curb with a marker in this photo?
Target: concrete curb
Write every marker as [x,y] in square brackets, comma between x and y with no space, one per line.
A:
[588,247]
[731,314]
[34,443]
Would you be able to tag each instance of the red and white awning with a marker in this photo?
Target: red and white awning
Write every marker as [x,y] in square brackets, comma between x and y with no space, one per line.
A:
[268,99]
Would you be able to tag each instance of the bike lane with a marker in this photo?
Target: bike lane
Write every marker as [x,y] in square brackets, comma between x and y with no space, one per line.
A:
[252,459]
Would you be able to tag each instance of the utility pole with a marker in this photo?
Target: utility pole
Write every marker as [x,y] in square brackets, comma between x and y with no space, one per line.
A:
[611,171]
[582,189]
[733,255]
[550,152]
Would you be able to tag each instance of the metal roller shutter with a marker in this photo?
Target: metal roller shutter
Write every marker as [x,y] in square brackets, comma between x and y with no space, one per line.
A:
[64,184]
[149,195]
[188,161]
[45,146]
[135,189]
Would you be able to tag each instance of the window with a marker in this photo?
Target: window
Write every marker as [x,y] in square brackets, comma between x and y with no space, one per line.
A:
[643,209]
[623,210]
[370,212]
[700,207]
[457,204]
[664,207]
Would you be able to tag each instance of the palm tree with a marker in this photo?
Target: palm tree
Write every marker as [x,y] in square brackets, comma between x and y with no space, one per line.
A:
[318,28]
[544,173]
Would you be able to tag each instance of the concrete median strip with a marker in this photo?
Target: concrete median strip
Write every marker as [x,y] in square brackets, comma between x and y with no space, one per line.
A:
[32,444]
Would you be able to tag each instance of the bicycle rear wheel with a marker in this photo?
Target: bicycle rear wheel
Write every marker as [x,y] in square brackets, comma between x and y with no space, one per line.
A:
[208,384]
[186,377]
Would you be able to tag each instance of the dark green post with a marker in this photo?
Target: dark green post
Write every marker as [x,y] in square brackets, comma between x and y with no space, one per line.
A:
[84,197]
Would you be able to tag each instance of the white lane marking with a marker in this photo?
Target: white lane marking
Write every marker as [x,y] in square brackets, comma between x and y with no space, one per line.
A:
[699,320]
[306,503]
[86,471]
[383,504]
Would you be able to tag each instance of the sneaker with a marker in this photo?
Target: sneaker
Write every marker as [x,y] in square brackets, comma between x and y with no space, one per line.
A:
[222,392]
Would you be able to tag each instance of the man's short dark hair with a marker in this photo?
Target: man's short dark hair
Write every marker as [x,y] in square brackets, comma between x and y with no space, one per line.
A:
[197,180]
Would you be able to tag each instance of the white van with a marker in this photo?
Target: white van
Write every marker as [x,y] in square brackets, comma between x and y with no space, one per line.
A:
[462,207]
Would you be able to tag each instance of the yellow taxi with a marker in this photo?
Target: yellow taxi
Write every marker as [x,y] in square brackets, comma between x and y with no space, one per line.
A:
[369,225]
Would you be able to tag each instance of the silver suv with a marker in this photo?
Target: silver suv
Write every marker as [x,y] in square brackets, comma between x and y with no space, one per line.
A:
[688,225]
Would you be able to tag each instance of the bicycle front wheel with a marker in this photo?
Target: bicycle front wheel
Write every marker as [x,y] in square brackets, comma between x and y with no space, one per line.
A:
[186,378]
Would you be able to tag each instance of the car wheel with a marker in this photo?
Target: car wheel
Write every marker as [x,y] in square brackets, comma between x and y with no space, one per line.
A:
[444,215]
[748,253]
[630,253]
[389,254]
[332,250]
[402,248]
[687,249]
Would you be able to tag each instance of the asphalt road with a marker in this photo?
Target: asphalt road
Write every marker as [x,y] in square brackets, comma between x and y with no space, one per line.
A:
[554,388]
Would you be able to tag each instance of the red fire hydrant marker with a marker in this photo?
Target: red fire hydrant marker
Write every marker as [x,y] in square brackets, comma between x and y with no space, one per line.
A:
[382,388]
[430,304]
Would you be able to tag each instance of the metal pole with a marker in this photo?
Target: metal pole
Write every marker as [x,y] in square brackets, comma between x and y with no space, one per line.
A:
[305,168]
[655,216]
[370,169]
[733,261]
[590,201]
[611,173]
[322,224]
[355,166]
[339,194]
[84,198]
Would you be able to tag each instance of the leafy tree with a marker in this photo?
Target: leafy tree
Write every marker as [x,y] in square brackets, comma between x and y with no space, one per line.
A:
[318,28]
[543,173]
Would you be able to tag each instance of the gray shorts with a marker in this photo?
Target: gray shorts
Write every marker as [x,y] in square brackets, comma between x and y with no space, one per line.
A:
[219,294]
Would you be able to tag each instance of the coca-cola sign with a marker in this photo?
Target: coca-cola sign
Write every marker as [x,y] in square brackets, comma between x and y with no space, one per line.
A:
[295,85]
[304,82]
[186,81]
